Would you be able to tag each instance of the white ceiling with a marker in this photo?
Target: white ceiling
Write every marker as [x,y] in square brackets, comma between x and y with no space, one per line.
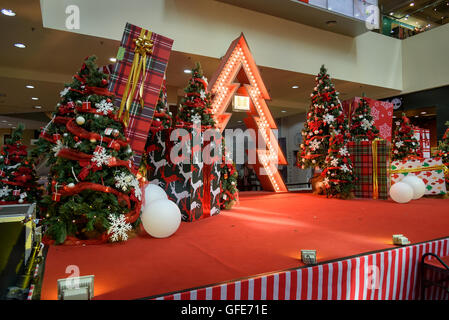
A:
[52,57]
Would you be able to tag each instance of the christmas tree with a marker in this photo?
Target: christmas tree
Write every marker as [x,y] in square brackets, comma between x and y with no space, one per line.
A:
[196,101]
[325,115]
[162,115]
[229,176]
[443,151]
[18,182]
[405,144]
[94,193]
[338,174]
[362,123]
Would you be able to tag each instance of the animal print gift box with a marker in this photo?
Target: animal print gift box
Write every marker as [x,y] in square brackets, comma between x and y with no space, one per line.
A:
[178,167]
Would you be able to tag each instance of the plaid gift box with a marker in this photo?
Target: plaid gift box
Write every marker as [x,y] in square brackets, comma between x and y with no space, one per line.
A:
[381,111]
[430,170]
[143,56]
[194,186]
[370,160]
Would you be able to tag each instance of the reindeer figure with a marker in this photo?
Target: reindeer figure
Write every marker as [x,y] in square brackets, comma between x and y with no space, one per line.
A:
[196,185]
[187,175]
[198,163]
[157,182]
[178,196]
[159,140]
[157,164]
[214,210]
[215,193]
[195,205]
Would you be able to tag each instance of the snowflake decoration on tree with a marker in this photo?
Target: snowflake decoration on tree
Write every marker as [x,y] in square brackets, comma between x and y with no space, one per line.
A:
[58,146]
[118,227]
[4,192]
[137,191]
[399,144]
[196,118]
[315,144]
[326,181]
[104,107]
[328,118]
[203,94]
[100,157]
[366,124]
[345,168]
[64,92]
[205,79]
[343,152]
[334,162]
[123,181]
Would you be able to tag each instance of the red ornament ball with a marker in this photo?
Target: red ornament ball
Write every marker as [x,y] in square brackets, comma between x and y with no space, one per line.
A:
[104,82]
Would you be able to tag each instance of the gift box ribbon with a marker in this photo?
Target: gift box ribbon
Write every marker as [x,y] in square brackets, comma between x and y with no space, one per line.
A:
[429,168]
[143,50]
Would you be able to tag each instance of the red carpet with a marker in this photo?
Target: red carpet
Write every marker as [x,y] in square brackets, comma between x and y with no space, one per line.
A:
[264,233]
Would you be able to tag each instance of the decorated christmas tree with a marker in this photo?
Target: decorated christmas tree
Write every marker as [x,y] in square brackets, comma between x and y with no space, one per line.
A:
[338,172]
[405,144]
[162,115]
[229,176]
[196,101]
[443,152]
[93,193]
[362,123]
[18,181]
[325,116]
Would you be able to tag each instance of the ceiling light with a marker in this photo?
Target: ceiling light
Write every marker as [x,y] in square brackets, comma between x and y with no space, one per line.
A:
[8,12]
[416,116]
[283,111]
[391,13]
[423,112]
[14,127]
[412,4]
[37,107]
[187,71]
[295,87]
[19,45]
[112,59]
[34,98]
[29,86]
[9,124]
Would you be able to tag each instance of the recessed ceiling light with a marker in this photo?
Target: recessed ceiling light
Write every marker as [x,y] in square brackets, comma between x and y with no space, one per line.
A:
[19,45]
[4,121]
[14,127]
[34,98]
[416,116]
[29,86]
[391,13]
[9,124]
[295,87]
[37,107]
[112,59]
[8,12]
[412,4]
[423,112]
[187,71]
[283,111]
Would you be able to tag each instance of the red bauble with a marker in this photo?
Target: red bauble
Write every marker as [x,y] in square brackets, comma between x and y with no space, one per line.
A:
[104,82]
[76,138]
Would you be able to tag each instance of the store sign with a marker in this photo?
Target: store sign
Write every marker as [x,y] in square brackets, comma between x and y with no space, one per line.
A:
[240,103]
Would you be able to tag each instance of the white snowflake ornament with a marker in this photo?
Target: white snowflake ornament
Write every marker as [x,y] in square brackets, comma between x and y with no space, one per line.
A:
[100,157]
[104,107]
[57,147]
[118,228]
[64,92]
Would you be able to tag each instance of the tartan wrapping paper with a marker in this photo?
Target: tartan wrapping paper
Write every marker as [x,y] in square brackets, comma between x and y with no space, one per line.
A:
[433,179]
[362,161]
[392,274]
[140,119]
[381,111]
[194,187]
[423,137]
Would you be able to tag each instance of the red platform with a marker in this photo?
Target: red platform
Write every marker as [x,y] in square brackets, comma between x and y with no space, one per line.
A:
[264,233]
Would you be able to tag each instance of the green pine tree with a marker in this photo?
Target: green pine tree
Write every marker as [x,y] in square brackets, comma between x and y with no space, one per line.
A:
[443,152]
[229,176]
[325,115]
[162,115]
[362,123]
[18,180]
[405,144]
[91,183]
[196,101]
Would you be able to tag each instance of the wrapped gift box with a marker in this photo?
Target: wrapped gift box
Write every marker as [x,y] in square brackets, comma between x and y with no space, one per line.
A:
[423,137]
[430,170]
[381,111]
[139,47]
[370,160]
[194,186]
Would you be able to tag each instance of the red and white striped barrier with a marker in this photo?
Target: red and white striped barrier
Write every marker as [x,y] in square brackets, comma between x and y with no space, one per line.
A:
[30,293]
[386,275]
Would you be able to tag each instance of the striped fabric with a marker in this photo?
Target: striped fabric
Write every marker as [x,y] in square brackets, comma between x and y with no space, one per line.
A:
[362,160]
[140,119]
[387,275]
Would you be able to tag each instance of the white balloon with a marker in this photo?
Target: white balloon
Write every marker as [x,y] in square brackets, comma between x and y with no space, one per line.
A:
[401,192]
[154,192]
[161,218]
[418,186]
